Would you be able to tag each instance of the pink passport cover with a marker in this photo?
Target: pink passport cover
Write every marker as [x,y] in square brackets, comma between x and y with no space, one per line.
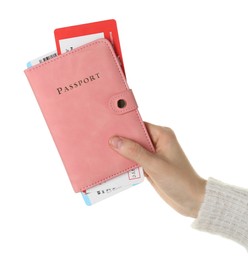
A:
[78,94]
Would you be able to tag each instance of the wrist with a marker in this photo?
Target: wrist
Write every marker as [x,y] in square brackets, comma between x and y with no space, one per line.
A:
[198,197]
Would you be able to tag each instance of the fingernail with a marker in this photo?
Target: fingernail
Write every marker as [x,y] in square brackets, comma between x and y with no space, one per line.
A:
[116,142]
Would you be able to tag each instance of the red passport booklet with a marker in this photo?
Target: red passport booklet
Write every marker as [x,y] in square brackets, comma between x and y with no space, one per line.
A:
[85,99]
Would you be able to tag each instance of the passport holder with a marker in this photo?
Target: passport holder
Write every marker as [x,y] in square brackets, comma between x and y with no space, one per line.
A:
[84,98]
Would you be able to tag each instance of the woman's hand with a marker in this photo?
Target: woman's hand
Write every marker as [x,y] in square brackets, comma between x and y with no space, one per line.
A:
[168,169]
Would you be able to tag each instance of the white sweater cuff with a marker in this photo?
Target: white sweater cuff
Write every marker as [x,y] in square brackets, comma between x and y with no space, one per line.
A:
[224,211]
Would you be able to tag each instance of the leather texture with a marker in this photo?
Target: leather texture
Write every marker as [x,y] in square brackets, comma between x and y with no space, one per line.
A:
[79,94]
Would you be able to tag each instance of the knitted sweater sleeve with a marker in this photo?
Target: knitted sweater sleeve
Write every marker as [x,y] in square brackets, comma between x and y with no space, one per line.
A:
[224,211]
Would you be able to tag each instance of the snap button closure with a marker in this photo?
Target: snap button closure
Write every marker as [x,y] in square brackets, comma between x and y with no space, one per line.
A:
[121,103]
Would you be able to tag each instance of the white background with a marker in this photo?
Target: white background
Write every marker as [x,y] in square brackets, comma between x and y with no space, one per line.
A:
[187,63]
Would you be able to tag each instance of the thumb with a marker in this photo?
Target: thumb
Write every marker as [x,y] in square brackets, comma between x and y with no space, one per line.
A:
[131,150]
